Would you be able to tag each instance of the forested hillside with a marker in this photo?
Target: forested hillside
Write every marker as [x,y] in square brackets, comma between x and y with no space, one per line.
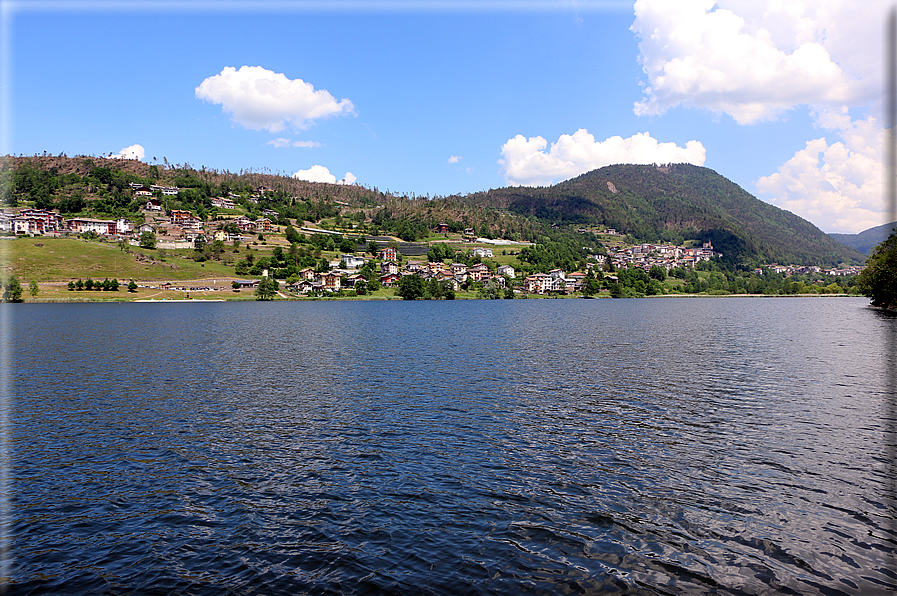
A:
[675,203]
[866,240]
[672,204]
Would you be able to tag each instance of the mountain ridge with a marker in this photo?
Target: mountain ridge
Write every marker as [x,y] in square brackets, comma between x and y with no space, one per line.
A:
[674,202]
[866,240]
[670,203]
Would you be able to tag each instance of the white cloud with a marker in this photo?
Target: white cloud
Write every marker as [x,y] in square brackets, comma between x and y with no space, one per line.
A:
[258,98]
[454,159]
[753,60]
[281,143]
[319,173]
[837,186]
[527,163]
[132,152]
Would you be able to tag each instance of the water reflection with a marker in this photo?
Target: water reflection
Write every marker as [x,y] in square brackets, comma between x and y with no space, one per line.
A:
[670,446]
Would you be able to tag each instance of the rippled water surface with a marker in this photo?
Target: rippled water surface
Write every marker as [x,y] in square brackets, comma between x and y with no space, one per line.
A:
[670,446]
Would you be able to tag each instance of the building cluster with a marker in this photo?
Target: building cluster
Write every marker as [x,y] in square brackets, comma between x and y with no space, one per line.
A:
[141,190]
[177,225]
[555,280]
[39,222]
[344,274]
[667,256]
[789,270]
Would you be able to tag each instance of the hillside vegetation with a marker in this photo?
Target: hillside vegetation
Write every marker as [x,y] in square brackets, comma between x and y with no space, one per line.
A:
[866,240]
[676,203]
[673,204]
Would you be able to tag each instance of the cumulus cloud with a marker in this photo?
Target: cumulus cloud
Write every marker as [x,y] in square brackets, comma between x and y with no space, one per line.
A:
[132,152]
[754,60]
[280,143]
[838,186]
[319,173]
[454,159]
[257,98]
[525,162]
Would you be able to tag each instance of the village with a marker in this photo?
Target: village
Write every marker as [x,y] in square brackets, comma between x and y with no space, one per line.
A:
[181,229]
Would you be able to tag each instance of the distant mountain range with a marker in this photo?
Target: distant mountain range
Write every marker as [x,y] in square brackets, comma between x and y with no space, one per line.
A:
[674,203]
[867,240]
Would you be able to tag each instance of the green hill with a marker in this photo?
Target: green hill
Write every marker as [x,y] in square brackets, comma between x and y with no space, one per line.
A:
[675,203]
[866,240]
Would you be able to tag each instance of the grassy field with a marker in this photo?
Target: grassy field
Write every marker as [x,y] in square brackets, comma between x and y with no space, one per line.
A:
[62,259]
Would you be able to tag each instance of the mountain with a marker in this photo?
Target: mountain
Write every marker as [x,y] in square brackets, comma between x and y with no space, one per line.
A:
[866,240]
[670,203]
[674,203]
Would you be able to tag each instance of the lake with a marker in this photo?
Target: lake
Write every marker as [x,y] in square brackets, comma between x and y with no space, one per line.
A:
[654,446]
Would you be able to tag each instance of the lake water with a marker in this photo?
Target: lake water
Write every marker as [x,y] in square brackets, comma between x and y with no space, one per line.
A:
[669,446]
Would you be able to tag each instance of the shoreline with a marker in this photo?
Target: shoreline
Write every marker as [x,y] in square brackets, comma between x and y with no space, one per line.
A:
[251,298]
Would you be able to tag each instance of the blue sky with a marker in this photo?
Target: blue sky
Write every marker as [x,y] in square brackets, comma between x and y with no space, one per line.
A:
[437,98]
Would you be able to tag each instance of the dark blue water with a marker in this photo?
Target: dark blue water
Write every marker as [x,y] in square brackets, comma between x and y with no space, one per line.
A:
[669,446]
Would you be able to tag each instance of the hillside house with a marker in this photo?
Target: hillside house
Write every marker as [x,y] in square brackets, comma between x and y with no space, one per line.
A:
[478,272]
[52,221]
[506,270]
[389,280]
[537,283]
[102,227]
[387,254]
[332,281]
[352,262]
[459,268]
[263,224]
[223,203]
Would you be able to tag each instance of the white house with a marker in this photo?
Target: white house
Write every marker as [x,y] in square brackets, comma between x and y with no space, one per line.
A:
[506,270]
[352,262]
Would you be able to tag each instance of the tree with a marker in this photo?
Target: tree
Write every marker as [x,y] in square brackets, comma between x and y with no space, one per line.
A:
[292,235]
[147,240]
[879,279]
[88,285]
[12,290]
[657,272]
[490,290]
[347,245]
[591,285]
[266,289]
[132,287]
[410,287]
[361,287]
[33,288]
